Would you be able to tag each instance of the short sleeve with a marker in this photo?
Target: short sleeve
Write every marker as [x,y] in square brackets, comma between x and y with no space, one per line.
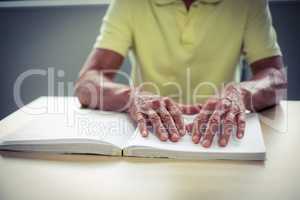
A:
[260,40]
[116,30]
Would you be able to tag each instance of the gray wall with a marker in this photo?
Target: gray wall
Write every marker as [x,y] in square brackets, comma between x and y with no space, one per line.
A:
[61,37]
[286,18]
[42,38]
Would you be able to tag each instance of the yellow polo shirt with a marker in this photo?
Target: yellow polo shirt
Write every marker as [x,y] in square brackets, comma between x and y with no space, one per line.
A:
[184,54]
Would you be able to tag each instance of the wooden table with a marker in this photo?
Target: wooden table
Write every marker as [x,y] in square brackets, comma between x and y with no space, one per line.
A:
[36,176]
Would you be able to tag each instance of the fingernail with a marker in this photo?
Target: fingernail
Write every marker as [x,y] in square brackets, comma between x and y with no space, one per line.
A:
[144,134]
[182,132]
[175,137]
[164,138]
[240,135]
[223,142]
[206,143]
[196,139]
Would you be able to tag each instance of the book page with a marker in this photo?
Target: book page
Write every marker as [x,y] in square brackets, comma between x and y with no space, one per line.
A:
[89,125]
[252,141]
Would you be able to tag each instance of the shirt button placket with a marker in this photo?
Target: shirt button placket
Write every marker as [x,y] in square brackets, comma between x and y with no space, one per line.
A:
[187,34]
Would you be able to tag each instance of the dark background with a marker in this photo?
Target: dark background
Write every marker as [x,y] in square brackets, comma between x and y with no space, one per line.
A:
[61,38]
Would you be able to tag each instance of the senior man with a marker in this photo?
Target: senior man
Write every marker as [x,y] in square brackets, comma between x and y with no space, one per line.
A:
[185,54]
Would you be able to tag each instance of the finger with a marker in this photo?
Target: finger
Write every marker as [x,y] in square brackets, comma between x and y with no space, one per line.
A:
[158,125]
[142,124]
[213,127]
[155,104]
[229,128]
[241,125]
[201,120]
[169,124]
[176,115]
[196,134]
[190,109]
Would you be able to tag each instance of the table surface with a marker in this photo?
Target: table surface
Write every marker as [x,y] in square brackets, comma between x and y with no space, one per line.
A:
[36,176]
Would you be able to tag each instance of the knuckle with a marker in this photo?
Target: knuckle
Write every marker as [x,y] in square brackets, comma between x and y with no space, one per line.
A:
[140,119]
[166,99]
[154,117]
[214,119]
[236,109]
[201,119]
[155,104]
[207,111]
[207,135]
[226,102]
[166,116]
[161,129]
[213,129]
[230,118]
[175,112]
[228,129]
[224,106]
[202,128]
[242,126]
[228,121]
[241,120]
[139,115]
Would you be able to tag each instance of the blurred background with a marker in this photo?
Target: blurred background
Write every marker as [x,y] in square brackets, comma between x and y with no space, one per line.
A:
[56,36]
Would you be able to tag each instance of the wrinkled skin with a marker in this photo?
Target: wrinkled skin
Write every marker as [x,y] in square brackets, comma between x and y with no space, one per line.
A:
[161,113]
[262,91]
[221,117]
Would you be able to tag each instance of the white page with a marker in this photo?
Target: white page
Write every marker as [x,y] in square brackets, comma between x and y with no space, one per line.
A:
[109,127]
[251,143]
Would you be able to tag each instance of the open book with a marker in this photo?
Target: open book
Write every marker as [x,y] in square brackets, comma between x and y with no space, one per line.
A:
[108,133]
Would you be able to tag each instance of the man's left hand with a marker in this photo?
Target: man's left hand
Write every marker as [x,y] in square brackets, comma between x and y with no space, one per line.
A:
[222,116]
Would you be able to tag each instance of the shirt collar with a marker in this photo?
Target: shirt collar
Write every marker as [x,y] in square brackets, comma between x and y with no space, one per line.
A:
[165,2]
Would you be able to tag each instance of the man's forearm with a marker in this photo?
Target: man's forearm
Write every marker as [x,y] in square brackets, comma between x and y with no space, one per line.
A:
[96,91]
[265,89]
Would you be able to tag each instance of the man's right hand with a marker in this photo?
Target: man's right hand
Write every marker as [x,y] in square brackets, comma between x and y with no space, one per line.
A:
[161,113]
